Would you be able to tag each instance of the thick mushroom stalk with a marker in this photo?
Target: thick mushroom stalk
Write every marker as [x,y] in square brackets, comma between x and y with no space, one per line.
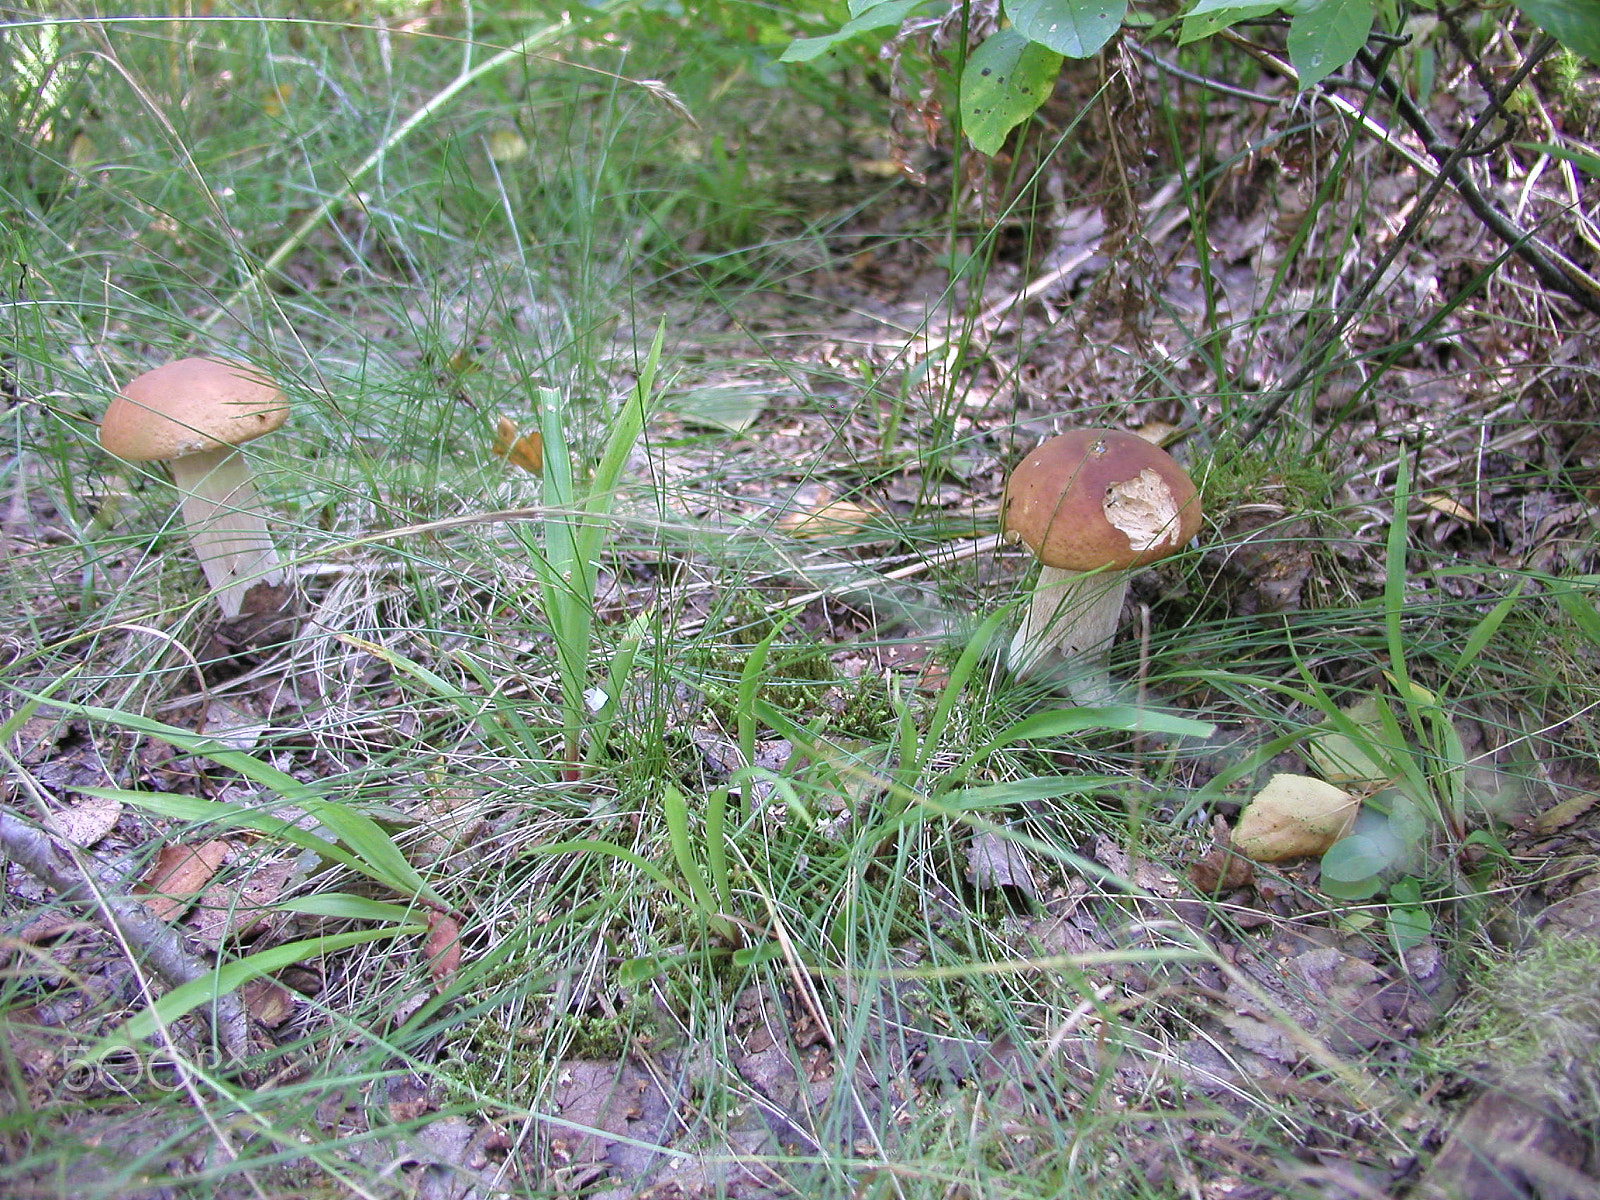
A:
[1093,505]
[227,527]
[192,414]
[1067,631]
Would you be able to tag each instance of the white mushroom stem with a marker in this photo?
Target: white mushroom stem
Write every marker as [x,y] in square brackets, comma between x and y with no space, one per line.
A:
[1067,631]
[227,527]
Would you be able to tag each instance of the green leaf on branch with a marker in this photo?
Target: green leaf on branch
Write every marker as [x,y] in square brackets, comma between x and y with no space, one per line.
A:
[886,15]
[1326,34]
[1210,17]
[1575,23]
[1005,81]
[1073,28]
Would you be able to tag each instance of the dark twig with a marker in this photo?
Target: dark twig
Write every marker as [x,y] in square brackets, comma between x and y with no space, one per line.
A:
[1205,81]
[1552,268]
[1547,264]
[157,943]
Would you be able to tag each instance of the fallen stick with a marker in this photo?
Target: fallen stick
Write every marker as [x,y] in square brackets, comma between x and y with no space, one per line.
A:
[152,940]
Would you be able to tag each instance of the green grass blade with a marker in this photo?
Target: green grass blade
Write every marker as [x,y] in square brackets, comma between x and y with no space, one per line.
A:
[618,675]
[675,810]
[717,846]
[232,975]
[626,428]
[197,811]
[971,655]
[611,850]
[378,856]
[1483,632]
[1394,569]
[749,687]
[345,907]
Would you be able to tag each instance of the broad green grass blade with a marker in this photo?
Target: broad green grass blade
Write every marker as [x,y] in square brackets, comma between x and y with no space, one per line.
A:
[1018,791]
[675,809]
[1394,570]
[198,811]
[1578,602]
[618,675]
[378,856]
[232,975]
[345,907]
[971,655]
[1065,722]
[1478,639]
[626,427]
[750,680]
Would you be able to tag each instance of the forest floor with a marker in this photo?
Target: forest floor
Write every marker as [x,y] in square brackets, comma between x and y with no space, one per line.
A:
[738,864]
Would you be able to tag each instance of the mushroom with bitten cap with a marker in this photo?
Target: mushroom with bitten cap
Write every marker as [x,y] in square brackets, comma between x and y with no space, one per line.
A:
[1093,505]
[192,414]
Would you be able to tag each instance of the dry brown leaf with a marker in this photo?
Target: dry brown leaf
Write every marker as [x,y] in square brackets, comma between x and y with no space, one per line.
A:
[86,822]
[525,450]
[1157,433]
[443,948]
[994,861]
[820,515]
[408,1100]
[1220,869]
[38,739]
[453,816]
[1559,816]
[234,725]
[48,925]
[600,1102]
[1293,816]
[238,907]
[179,874]
[268,1001]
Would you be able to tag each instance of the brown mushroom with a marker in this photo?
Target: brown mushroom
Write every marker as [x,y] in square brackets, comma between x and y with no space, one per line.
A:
[1093,505]
[192,414]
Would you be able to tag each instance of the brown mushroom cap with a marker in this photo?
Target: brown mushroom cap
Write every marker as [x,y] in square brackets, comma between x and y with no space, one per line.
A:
[1076,499]
[188,406]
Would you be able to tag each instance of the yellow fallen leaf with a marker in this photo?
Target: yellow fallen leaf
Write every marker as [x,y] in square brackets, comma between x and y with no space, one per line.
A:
[1339,758]
[525,450]
[1452,508]
[826,517]
[506,145]
[272,104]
[1293,816]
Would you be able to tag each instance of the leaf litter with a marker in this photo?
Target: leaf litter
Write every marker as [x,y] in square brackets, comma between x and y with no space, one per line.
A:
[1286,1004]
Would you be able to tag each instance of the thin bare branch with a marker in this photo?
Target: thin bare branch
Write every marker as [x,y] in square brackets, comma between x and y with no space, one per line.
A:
[158,944]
